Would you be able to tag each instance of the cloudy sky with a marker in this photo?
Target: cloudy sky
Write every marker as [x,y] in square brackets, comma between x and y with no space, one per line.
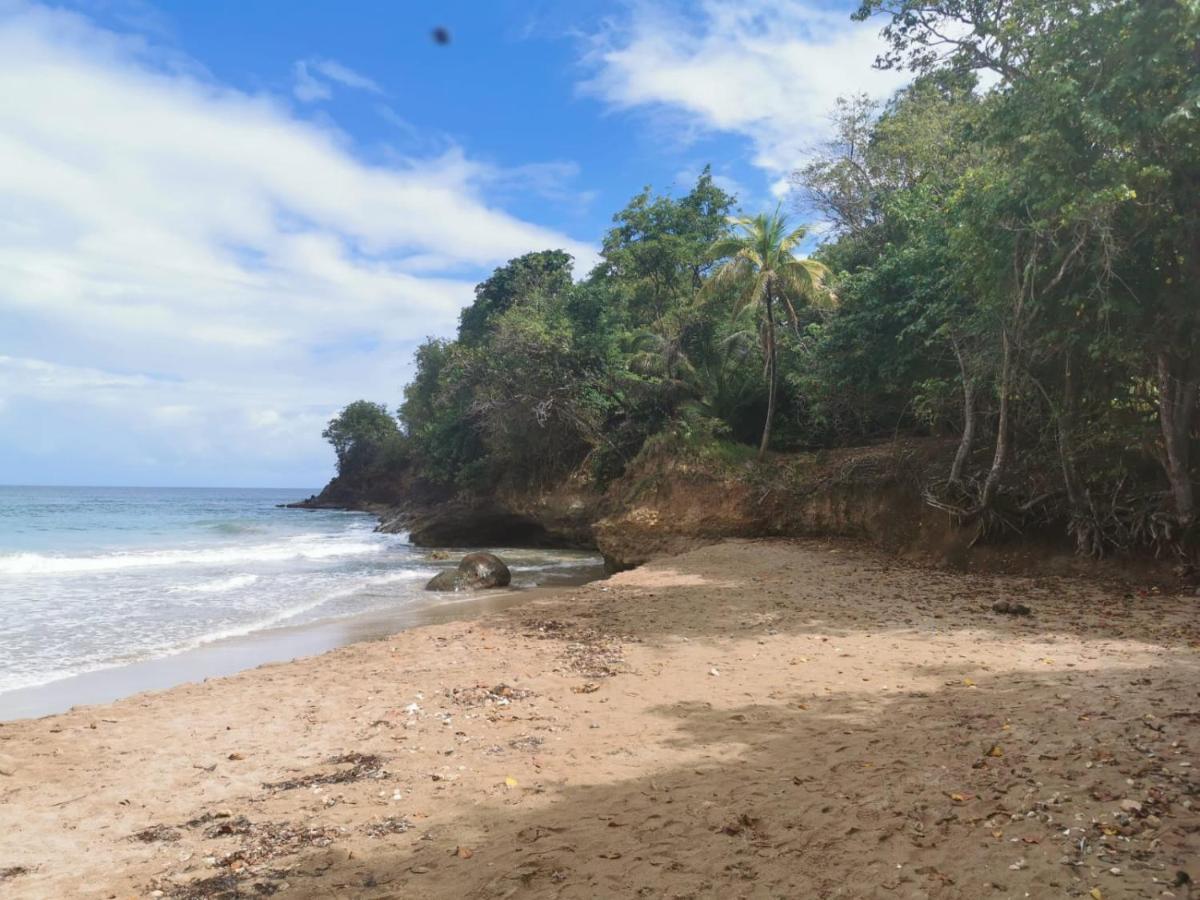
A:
[220,222]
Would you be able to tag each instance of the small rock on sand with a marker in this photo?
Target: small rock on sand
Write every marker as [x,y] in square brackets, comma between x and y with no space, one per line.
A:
[1011,608]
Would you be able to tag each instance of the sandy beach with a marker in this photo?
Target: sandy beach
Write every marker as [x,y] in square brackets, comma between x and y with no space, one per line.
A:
[751,719]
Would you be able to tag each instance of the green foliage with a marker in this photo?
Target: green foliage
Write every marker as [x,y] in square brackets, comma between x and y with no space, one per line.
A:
[532,279]
[1033,245]
[437,413]
[548,377]
[761,266]
[658,249]
[1014,268]
[359,432]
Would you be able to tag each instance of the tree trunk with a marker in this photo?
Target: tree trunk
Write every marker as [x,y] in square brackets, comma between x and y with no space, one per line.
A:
[771,379]
[968,432]
[1065,421]
[1177,394]
[1086,538]
[1000,457]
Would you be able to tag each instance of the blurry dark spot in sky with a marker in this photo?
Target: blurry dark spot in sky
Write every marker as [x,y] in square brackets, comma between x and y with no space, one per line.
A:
[441,36]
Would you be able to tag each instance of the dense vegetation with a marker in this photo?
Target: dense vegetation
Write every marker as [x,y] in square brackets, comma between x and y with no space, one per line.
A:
[1013,261]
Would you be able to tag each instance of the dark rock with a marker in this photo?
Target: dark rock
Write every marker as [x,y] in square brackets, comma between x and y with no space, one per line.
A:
[1011,608]
[485,570]
[474,525]
[444,581]
[475,571]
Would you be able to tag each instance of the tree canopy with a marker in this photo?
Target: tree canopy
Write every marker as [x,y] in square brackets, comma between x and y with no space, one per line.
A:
[1012,239]
[359,432]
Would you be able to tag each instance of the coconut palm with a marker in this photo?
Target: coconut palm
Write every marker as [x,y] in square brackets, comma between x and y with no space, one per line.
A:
[703,372]
[760,261]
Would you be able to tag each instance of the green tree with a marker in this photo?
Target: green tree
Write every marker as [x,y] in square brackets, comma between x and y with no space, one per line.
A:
[358,433]
[658,247]
[1096,129]
[907,320]
[761,262]
[545,275]
[437,412]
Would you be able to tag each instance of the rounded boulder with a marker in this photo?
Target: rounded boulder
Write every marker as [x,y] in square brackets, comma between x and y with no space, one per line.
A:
[476,571]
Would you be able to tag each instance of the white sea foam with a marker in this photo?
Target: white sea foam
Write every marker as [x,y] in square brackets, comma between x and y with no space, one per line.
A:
[217,585]
[296,548]
[16,681]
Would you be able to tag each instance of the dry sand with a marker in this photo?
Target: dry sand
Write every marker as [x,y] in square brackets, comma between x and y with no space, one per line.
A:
[752,719]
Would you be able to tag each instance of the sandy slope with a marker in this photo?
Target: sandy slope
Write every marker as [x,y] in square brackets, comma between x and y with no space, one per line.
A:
[746,720]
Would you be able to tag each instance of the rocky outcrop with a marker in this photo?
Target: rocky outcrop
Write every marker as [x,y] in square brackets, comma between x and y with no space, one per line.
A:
[472,524]
[383,496]
[664,504]
[476,571]
[669,502]
[560,518]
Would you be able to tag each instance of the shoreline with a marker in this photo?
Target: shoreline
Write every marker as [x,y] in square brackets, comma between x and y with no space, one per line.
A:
[753,718]
[230,655]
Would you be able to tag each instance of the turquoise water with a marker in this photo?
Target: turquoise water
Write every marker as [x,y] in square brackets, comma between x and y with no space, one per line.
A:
[92,578]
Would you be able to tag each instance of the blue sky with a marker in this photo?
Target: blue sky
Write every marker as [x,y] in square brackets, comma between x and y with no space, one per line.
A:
[224,220]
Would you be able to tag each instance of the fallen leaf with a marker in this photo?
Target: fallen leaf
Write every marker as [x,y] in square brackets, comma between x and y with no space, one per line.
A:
[996,752]
[968,682]
[464,852]
[1095,894]
[511,782]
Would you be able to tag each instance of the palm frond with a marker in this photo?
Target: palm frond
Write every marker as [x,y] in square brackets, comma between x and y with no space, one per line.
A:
[726,247]
[793,239]
[755,291]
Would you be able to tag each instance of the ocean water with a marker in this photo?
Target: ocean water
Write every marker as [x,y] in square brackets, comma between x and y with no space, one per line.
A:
[92,578]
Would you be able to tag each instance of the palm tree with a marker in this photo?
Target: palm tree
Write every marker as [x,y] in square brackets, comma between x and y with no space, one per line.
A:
[761,262]
[703,372]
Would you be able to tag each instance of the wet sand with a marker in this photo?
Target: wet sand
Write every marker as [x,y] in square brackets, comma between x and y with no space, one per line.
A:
[235,654]
[751,719]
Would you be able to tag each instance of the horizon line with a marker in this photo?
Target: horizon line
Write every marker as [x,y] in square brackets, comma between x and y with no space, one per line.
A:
[180,487]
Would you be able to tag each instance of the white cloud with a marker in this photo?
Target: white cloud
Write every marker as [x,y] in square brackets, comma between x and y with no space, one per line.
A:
[344,75]
[134,427]
[766,69]
[156,221]
[313,77]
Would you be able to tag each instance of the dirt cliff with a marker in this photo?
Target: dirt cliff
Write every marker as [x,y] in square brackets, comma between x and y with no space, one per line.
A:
[674,497]
[668,502]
